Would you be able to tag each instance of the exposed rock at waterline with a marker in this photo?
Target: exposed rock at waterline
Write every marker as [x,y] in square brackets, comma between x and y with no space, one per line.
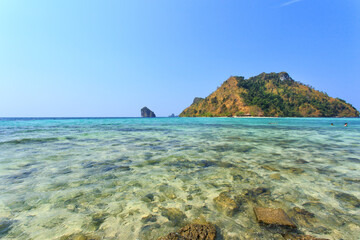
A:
[145,112]
[273,217]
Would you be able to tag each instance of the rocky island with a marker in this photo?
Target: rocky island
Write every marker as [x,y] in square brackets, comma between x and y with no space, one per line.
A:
[145,112]
[268,95]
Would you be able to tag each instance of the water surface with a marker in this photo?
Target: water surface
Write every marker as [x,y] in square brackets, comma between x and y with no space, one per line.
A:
[103,177]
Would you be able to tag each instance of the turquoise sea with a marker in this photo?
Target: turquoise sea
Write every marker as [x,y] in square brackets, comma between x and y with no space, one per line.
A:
[137,178]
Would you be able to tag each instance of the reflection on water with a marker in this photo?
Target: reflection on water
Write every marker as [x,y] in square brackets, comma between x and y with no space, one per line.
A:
[143,178]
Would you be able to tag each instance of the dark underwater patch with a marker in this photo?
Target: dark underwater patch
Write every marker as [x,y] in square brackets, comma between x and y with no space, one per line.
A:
[30,140]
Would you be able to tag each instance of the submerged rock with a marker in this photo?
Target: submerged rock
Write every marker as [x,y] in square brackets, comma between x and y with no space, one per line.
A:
[149,218]
[347,199]
[145,112]
[79,236]
[289,236]
[303,212]
[270,168]
[275,176]
[168,191]
[172,236]
[226,204]
[174,215]
[96,220]
[315,204]
[257,192]
[302,217]
[272,216]
[148,197]
[295,170]
[148,231]
[194,231]
[5,226]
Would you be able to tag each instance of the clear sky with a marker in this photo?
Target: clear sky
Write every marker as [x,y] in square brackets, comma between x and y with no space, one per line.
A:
[78,58]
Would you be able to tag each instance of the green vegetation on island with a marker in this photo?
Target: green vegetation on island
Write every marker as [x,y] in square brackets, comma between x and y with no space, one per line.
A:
[268,94]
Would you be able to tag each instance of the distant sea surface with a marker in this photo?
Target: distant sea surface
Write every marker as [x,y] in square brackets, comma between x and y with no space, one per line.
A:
[141,178]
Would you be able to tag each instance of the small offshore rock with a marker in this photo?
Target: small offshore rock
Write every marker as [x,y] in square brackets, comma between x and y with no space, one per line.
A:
[272,216]
[226,204]
[145,112]
[193,231]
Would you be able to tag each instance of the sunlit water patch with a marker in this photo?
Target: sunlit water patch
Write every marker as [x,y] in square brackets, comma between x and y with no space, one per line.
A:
[135,178]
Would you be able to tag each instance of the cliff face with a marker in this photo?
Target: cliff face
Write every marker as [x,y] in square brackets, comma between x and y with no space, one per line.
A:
[272,94]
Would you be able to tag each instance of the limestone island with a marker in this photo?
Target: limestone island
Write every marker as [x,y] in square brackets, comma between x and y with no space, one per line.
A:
[145,112]
[268,95]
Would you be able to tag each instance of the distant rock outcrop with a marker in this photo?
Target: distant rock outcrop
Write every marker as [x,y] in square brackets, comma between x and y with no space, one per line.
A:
[145,112]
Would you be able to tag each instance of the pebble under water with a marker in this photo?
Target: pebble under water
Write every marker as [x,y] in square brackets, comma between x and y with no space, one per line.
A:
[136,178]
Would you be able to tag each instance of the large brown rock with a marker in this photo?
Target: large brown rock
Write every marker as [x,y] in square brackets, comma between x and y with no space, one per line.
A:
[274,217]
[225,203]
[194,231]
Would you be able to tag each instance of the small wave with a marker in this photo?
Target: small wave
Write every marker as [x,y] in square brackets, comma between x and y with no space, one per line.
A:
[30,140]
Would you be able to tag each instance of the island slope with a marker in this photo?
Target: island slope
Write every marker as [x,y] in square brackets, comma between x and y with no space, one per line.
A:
[268,94]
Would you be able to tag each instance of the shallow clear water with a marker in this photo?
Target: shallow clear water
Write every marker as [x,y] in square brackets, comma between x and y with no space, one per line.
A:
[101,177]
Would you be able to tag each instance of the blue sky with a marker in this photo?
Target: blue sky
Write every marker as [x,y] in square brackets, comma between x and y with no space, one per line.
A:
[110,58]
